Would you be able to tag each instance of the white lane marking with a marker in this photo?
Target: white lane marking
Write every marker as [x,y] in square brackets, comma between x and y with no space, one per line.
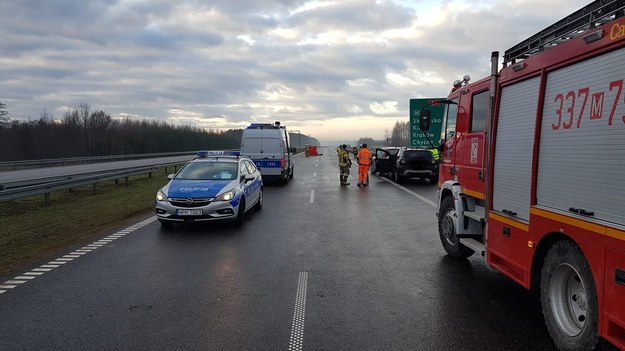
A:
[315,174]
[57,262]
[312,196]
[426,200]
[296,342]
[25,277]
[16,282]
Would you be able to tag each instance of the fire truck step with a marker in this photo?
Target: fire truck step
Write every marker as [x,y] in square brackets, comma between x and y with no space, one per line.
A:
[477,215]
[474,245]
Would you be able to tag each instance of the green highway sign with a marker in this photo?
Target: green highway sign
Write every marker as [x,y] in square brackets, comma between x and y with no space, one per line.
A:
[417,137]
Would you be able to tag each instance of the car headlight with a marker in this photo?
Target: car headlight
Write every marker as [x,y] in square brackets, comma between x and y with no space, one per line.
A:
[160,196]
[227,196]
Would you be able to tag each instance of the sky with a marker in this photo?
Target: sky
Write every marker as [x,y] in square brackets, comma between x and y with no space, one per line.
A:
[334,70]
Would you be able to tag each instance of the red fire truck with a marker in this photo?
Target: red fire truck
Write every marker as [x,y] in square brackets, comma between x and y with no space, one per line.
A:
[532,172]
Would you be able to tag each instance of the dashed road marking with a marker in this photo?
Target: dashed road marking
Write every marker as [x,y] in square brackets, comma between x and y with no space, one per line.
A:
[44,268]
[312,196]
[296,342]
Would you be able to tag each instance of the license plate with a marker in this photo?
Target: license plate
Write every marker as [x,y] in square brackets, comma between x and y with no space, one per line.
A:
[189,212]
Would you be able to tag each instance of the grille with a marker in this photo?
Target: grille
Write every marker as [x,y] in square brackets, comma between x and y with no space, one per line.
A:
[182,202]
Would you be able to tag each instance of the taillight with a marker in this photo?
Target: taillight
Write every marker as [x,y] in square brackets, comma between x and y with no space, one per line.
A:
[283,163]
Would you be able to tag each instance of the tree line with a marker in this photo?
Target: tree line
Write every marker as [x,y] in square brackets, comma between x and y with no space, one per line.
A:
[85,132]
[398,136]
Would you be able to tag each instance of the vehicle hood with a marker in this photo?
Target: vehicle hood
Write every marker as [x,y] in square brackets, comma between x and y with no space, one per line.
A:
[197,188]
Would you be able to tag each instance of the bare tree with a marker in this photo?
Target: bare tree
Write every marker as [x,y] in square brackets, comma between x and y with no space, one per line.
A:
[400,135]
[3,114]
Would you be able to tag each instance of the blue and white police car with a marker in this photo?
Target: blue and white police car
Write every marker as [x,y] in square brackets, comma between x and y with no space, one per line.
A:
[216,185]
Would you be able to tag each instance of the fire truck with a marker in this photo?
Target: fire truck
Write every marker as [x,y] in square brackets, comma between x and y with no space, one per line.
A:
[532,172]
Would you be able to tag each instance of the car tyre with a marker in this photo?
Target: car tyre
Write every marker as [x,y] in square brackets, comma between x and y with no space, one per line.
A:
[259,203]
[447,230]
[397,178]
[241,212]
[569,298]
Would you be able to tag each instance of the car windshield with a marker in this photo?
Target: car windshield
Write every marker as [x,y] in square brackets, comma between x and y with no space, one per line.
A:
[393,152]
[417,153]
[208,171]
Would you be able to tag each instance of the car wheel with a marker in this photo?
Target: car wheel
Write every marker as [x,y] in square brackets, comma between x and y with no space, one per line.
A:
[259,203]
[397,178]
[447,230]
[434,179]
[569,298]
[241,213]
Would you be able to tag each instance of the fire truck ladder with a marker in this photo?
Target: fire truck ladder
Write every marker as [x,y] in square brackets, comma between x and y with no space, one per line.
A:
[587,18]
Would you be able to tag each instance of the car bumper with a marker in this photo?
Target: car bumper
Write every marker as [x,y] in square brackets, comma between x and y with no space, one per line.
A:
[215,211]
[414,173]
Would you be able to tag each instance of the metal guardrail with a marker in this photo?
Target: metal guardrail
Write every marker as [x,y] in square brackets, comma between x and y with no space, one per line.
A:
[14,191]
[13,165]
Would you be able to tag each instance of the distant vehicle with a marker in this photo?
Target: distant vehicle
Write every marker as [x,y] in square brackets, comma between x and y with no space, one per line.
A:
[269,147]
[311,150]
[212,187]
[415,163]
[383,161]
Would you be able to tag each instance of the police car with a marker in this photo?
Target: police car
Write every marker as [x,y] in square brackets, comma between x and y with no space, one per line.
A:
[215,186]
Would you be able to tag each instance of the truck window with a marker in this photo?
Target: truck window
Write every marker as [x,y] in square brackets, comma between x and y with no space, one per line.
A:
[450,123]
[479,110]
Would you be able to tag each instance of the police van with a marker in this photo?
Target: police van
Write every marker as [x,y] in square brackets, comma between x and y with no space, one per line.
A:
[269,146]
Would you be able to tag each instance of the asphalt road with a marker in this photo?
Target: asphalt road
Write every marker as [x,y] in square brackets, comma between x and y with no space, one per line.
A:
[320,267]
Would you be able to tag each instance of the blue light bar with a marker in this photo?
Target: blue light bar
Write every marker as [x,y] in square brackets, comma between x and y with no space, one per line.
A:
[204,153]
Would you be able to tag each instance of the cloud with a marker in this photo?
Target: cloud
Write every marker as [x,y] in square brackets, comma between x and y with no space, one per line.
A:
[331,69]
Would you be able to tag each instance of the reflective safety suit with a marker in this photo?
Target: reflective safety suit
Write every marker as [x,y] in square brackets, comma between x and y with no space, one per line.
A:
[344,164]
[364,162]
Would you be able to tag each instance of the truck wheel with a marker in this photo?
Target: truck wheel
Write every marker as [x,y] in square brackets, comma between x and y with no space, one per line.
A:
[569,298]
[447,230]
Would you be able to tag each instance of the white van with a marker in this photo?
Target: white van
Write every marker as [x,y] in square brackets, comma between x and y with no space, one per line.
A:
[269,146]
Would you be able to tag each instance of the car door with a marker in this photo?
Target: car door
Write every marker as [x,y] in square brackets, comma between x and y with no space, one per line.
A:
[383,161]
[251,187]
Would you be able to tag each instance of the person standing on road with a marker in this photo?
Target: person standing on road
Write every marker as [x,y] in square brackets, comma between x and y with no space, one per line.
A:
[344,163]
[364,161]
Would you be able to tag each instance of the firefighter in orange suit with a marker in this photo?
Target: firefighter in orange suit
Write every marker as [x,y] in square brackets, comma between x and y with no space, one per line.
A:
[344,163]
[364,161]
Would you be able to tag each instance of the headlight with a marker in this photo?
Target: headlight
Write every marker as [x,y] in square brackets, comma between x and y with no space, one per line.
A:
[160,196]
[227,196]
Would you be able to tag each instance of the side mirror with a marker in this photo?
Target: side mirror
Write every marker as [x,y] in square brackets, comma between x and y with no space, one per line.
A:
[249,177]
[425,120]
[170,176]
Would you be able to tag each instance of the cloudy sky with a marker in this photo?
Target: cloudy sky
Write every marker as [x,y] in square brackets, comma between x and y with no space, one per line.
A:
[335,70]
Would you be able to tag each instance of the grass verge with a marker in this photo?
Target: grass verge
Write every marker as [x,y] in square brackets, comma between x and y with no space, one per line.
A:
[31,231]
